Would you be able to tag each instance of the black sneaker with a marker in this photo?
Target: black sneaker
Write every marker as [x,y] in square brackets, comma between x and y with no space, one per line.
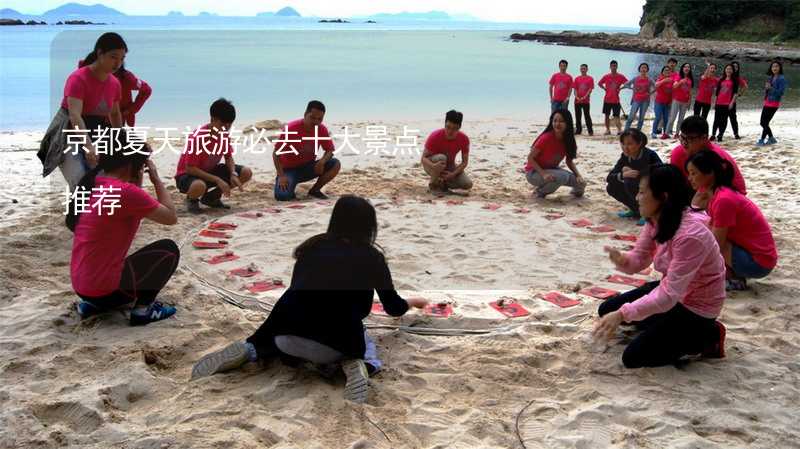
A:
[317,194]
[193,206]
[216,204]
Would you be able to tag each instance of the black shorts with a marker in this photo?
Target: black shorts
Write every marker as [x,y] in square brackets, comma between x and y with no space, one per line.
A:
[185,180]
[611,108]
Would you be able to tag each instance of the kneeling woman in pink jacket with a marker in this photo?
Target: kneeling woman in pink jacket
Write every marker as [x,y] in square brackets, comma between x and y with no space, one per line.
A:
[678,315]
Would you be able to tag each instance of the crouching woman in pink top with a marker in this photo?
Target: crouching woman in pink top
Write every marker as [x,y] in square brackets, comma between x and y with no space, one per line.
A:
[678,315]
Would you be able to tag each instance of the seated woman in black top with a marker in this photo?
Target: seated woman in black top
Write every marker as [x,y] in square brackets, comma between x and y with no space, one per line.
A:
[319,316]
[634,163]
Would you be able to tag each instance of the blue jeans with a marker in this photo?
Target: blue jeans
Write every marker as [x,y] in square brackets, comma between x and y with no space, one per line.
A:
[662,118]
[744,266]
[297,175]
[641,107]
[556,105]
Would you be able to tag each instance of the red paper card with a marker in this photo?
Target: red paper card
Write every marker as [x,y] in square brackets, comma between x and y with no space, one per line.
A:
[554,216]
[626,280]
[220,226]
[323,203]
[624,237]
[263,286]
[455,202]
[509,308]
[250,215]
[215,234]
[378,308]
[559,299]
[582,223]
[441,310]
[209,245]
[522,210]
[598,292]
[245,272]
[602,228]
[227,257]
[492,206]
[296,206]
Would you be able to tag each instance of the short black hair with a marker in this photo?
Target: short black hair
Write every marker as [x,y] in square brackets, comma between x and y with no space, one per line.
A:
[644,64]
[564,61]
[637,136]
[315,104]
[672,60]
[585,65]
[695,125]
[613,62]
[223,110]
[454,116]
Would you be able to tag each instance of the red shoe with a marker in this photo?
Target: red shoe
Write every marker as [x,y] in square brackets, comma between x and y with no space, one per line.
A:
[717,350]
[664,136]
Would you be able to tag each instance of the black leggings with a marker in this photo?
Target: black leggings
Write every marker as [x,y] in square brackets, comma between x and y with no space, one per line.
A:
[625,192]
[734,120]
[585,108]
[766,116]
[144,274]
[701,109]
[665,337]
[720,120]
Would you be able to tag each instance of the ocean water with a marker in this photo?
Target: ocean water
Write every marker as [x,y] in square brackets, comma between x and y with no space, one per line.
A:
[270,69]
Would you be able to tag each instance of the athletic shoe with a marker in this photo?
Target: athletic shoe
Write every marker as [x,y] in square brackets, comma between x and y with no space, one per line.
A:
[717,349]
[654,136]
[735,284]
[664,136]
[760,143]
[85,309]
[627,214]
[771,141]
[156,312]
[230,357]
[356,388]
[193,206]
[736,136]
[317,194]
[216,204]
[641,222]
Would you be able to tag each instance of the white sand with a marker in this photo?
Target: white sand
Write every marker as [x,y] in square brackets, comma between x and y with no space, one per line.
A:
[100,383]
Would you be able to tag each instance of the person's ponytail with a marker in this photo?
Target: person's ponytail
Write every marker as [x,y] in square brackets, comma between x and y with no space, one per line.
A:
[105,43]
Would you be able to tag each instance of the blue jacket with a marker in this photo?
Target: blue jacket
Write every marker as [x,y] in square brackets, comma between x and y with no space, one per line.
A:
[777,88]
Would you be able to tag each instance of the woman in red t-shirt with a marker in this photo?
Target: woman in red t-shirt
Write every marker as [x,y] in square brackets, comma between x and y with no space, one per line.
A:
[705,91]
[128,106]
[552,146]
[732,110]
[681,98]
[727,91]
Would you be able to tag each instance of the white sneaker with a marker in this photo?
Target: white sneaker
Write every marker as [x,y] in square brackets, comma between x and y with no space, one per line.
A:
[230,357]
[357,387]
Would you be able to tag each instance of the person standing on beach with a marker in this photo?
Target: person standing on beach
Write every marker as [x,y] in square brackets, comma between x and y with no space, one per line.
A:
[127,105]
[612,83]
[681,98]
[102,276]
[200,175]
[727,91]
[583,85]
[622,183]
[439,158]
[318,319]
[295,155]
[643,87]
[705,91]
[678,314]
[732,110]
[672,63]
[560,87]
[663,102]
[774,89]
[90,105]
[553,145]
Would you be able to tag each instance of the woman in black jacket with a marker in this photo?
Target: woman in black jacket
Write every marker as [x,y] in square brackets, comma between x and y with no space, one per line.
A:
[634,162]
[319,317]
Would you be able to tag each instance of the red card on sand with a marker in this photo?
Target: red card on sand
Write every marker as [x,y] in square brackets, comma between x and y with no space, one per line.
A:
[227,257]
[221,226]
[378,308]
[624,237]
[440,310]
[215,234]
[455,202]
[323,203]
[250,215]
[492,206]
[245,272]
[296,206]
[554,216]
[522,210]
[509,308]
[559,299]
[598,292]
[263,286]
[582,223]
[626,280]
[602,228]
[209,245]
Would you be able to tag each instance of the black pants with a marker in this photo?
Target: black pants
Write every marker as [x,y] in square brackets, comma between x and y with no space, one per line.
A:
[144,274]
[720,120]
[625,192]
[701,109]
[734,120]
[665,337]
[766,116]
[585,108]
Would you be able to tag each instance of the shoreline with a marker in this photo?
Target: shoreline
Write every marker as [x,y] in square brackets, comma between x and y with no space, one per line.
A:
[751,51]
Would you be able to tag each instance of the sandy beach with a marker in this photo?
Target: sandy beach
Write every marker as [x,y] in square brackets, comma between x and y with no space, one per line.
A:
[99,383]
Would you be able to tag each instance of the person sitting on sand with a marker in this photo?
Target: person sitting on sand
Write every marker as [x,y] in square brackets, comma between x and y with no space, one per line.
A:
[742,232]
[102,276]
[200,175]
[678,315]
[693,139]
[439,157]
[319,318]
[552,146]
[295,155]
[634,162]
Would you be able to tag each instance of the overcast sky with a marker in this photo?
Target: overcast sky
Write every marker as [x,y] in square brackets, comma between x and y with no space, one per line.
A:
[623,13]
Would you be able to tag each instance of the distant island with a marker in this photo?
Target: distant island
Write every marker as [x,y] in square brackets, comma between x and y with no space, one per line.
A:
[333,21]
[71,10]
[283,12]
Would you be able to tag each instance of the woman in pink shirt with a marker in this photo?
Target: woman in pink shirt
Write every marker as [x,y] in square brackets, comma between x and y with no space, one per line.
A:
[642,87]
[104,215]
[705,91]
[129,106]
[742,232]
[727,91]
[663,101]
[678,315]
[681,98]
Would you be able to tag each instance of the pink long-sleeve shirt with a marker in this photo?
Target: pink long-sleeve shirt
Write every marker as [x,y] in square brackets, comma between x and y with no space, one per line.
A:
[692,266]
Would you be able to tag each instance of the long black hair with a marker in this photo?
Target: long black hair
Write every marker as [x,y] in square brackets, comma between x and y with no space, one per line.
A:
[105,43]
[689,75]
[353,221]
[114,158]
[668,185]
[569,133]
[780,68]
[708,162]
[734,79]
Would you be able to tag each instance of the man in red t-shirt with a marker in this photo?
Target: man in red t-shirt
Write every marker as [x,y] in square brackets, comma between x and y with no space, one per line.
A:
[295,155]
[200,175]
[612,83]
[439,157]
[560,87]
[583,85]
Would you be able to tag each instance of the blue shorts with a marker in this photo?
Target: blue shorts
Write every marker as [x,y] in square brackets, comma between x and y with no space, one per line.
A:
[744,266]
[297,175]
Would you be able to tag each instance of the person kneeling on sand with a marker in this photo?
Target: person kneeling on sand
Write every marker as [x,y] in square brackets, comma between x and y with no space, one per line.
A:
[678,315]
[439,157]
[319,317]
[554,144]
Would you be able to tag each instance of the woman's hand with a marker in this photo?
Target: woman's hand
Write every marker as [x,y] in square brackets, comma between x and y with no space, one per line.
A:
[606,326]
[616,257]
